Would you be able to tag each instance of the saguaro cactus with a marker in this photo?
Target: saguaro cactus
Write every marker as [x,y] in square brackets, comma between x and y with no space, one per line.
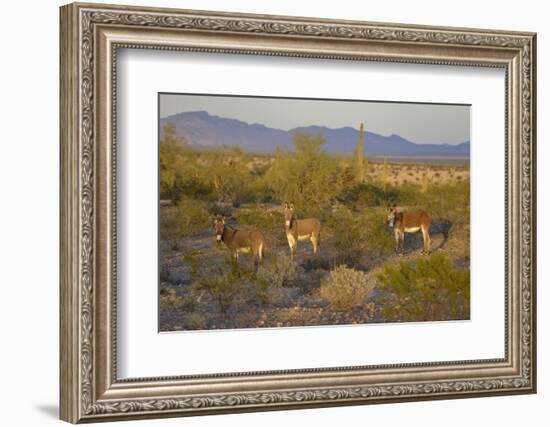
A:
[360,169]
[385,173]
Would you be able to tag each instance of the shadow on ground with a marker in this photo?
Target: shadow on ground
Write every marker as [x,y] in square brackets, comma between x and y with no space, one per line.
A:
[50,410]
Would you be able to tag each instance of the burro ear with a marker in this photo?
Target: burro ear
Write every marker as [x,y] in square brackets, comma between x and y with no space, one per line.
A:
[285,205]
[292,206]
[223,220]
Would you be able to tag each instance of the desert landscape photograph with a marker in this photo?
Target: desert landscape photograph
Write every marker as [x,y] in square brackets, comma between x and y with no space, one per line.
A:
[292,212]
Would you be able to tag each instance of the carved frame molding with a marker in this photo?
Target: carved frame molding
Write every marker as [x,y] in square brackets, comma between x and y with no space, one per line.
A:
[90,37]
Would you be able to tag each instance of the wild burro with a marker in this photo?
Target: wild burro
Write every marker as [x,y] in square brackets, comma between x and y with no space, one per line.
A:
[240,241]
[409,222]
[300,229]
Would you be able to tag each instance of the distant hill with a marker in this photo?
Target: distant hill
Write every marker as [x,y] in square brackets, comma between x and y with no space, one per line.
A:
[207,131]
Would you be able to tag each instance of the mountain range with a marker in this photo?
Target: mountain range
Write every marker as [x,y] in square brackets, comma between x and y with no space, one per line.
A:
[207,131]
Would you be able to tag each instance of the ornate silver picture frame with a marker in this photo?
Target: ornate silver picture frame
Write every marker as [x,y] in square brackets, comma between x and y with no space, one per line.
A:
[91,36]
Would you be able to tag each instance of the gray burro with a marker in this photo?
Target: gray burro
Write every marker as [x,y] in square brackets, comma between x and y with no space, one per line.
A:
[240,241]
[300,229]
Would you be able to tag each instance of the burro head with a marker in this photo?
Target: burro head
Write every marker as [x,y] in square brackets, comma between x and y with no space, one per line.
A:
[391,214]
[288,210]
[219,226]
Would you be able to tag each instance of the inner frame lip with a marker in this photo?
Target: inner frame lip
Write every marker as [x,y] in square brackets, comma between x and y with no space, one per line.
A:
[490,363]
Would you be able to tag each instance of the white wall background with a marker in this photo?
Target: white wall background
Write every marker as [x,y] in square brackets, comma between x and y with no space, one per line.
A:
[29,170]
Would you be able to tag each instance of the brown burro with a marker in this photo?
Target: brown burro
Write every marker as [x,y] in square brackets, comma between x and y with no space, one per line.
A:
[240,241]
[300,229]
[409,222]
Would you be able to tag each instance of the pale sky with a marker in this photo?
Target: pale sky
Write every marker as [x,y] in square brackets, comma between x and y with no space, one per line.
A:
[420,123]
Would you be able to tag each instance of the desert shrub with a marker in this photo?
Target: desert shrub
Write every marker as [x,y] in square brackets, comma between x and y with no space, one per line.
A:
[269,221]
[358,233]
[450,201]
[370,195]
[248,318]
[346,288]
[428,289]
[409,194]
[182,171]
[220,209]
[229,283]
[309,178]
[322,261]
[188,218]
[347,232]
[265,285]
[277,271]
[444,200]
[221,283]
[171,157]
[169,296]
[166,225]
[224,175]
[230,176]
[383,178]
[259,190]
[194,188]
[164,273]
[194,321]
[379,239]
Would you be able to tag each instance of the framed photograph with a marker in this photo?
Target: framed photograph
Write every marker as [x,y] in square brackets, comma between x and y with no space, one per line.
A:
[266,212]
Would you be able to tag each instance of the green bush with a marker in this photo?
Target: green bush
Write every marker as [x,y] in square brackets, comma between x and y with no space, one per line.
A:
[428,289]
[220,282]
[188,218]
[410,195]
[269,221]
[359,233]
[370,195]
[309,178]
[217,210]
[182,171]
[380,241]
[346,288]
[266,285]
[277,271]
[230,176]
[443,200]
[450,201]
[223,175]
[195,188]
